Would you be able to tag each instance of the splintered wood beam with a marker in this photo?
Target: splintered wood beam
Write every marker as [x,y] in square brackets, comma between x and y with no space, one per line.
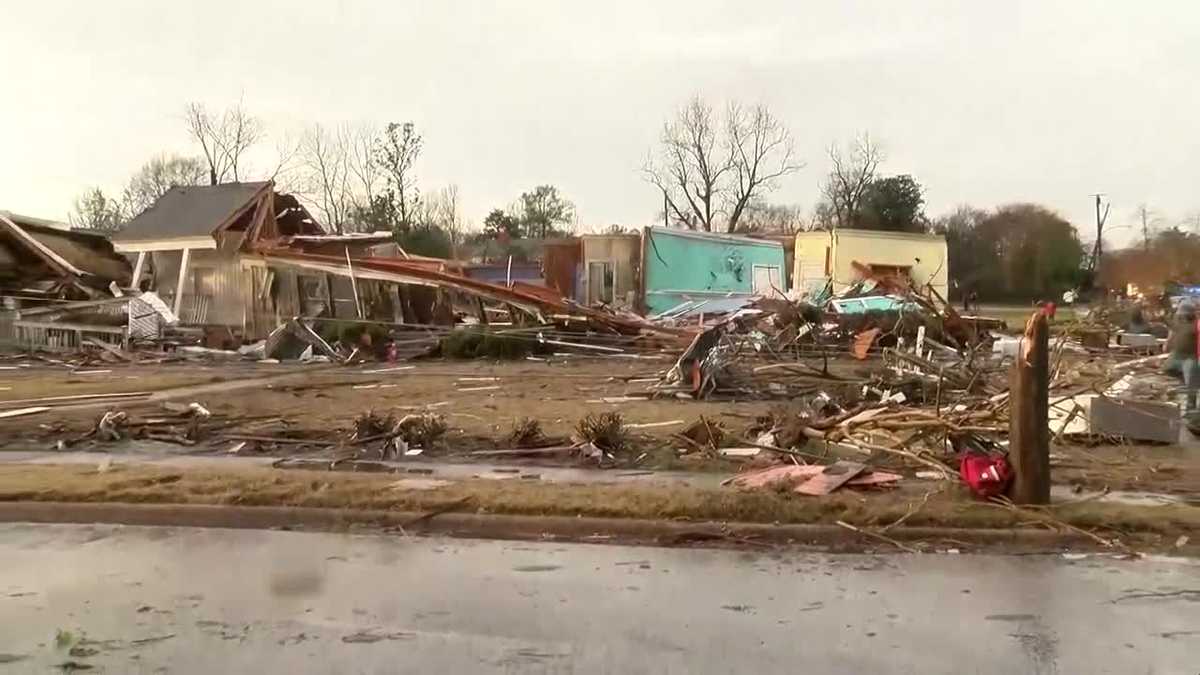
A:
[1028,426]
[137,270]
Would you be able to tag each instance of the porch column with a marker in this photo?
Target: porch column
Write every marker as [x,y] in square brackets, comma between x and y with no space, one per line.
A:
[137,269]
[183,266]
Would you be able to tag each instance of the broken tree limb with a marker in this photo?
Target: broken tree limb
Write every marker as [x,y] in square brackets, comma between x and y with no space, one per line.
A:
[876,535]
[946,471]
[1028,426]
[1139,362]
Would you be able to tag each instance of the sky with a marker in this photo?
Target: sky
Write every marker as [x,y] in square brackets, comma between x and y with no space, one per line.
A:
[984,103]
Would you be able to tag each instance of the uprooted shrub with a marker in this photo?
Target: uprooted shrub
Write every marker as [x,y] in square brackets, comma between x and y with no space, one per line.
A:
[604,430]
[526,433]
[421,430]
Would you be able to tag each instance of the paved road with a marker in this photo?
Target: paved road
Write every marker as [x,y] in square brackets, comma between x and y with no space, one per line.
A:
[180,600]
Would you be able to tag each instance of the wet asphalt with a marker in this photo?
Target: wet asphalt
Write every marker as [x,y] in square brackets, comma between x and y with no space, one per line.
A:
[183,600]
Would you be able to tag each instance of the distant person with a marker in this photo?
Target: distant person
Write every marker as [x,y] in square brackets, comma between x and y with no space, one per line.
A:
[973,298]
[1183,352]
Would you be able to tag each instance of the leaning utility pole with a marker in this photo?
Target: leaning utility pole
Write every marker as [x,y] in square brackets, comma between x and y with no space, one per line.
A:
[1098,250]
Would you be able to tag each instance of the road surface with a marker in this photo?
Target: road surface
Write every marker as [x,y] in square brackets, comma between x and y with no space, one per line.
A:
[180,600]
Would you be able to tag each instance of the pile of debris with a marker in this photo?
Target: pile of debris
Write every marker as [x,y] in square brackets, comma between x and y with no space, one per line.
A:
[764,349]
[928,389]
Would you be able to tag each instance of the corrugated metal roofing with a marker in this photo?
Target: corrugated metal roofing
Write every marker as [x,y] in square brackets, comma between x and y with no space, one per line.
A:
[193,211]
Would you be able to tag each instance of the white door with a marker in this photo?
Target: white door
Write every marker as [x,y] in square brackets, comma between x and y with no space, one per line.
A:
[767,281]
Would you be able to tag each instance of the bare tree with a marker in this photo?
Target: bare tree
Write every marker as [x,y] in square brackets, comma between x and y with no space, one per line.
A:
[851,173]
[823,217]
[760,216]
[709,170]
[691,166]
[325,158]
[287,160]
[762,154]
[447,215]
[364,170]
[452,220]
[224,139]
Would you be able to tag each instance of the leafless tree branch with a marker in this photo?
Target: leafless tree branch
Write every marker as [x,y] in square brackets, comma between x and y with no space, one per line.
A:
[710,169]
[851,173]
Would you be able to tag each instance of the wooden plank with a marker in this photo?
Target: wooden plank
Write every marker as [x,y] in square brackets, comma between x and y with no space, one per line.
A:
[353,285]
[137,269]
[1029,400]
[120,354]
[20,412]
[76,397]
[833,477]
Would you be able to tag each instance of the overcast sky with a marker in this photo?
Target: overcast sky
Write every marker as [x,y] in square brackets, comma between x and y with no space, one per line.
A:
[983,102]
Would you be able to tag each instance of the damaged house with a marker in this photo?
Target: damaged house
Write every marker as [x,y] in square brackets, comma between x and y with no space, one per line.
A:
[47,269]
[220,256]
[834,261]
[43,260]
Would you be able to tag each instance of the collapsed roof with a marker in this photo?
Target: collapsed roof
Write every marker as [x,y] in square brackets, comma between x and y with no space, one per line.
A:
[40,256]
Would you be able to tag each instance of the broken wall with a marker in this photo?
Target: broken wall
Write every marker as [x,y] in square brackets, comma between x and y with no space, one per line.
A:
[621,252]
[682,265]
[212,290]
[823,255]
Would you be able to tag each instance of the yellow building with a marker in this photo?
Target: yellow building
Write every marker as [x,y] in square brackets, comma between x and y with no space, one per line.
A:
[823,256]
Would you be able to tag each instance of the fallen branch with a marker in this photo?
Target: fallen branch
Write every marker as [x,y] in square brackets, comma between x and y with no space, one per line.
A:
[876,535]
[1051,521]
[946,472]
[912,509]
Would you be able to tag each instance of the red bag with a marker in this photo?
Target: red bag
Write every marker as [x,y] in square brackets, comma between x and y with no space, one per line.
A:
[987,475]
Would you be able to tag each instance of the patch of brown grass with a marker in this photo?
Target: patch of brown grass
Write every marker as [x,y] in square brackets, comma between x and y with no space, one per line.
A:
[269,487]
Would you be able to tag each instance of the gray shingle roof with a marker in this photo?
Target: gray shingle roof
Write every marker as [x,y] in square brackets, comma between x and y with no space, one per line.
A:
[193,211]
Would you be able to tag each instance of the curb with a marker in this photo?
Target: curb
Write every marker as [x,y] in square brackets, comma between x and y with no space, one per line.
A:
[555,528]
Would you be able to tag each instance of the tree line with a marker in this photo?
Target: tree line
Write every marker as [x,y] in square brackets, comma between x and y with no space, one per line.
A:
[715,170]
[355,177]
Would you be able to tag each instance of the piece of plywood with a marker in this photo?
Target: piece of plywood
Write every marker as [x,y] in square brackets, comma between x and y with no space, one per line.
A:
[833,477]
[1135,420]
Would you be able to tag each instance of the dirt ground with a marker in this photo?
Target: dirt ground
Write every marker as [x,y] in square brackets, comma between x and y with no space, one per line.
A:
[481,401]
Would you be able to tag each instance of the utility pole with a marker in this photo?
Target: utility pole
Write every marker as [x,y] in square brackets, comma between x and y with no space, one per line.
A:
[1098,251]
